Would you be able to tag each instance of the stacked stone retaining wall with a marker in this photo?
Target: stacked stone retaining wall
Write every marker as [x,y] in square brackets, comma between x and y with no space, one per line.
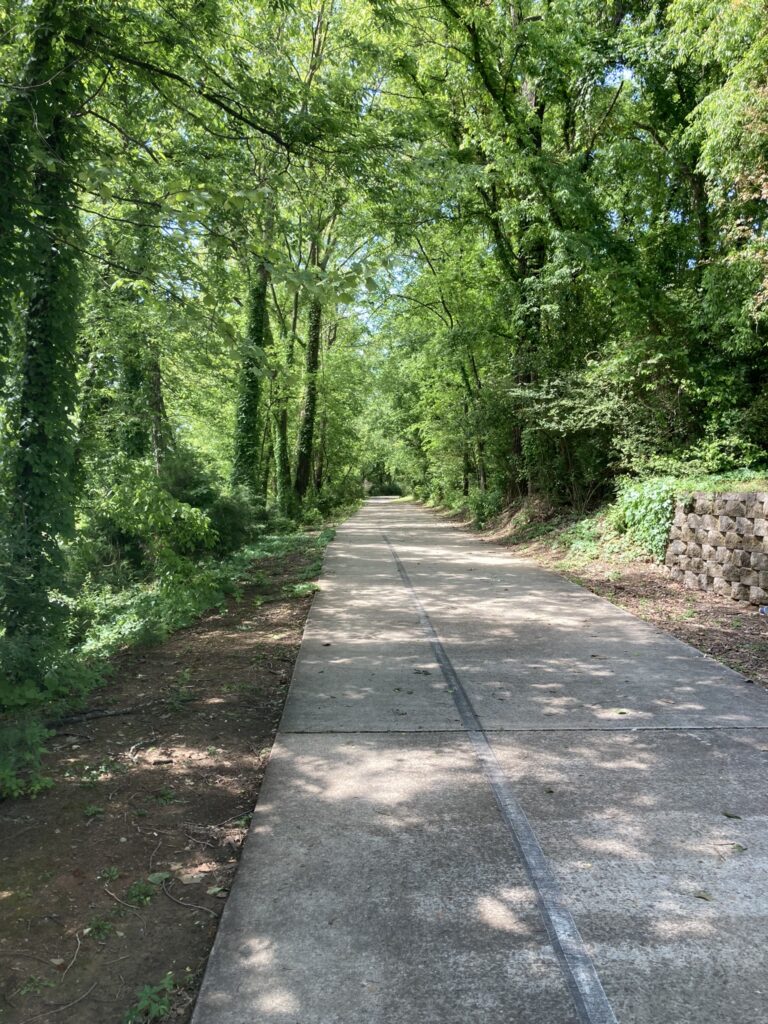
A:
[719,542]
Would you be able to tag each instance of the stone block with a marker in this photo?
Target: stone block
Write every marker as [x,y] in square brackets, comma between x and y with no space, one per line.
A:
[712,568]
[674,533]
[701,536]
[732,539]
[749,577]
[735,505]
[694,550]
[710,522]
[758,596]
[752,543]
[755,508]
[762,579]
[721,586]
[758,560]
[744,526]
[708,552]
[739,592]
[684,562]
[676,573]
[760,528]
[677,547]
[732,573]
[687,533]
[703,581]
[702,503]
[691,581]
[715,538]
[721,553]
[726,523]
[695,564]
[680,517]
[718,505]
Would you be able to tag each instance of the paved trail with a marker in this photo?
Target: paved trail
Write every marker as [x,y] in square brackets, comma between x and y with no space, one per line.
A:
[496,798]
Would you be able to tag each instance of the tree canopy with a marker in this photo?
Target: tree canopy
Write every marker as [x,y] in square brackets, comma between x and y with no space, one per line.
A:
[255,255]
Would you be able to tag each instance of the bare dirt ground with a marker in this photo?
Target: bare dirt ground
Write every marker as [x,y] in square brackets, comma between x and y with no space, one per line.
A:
[118,874]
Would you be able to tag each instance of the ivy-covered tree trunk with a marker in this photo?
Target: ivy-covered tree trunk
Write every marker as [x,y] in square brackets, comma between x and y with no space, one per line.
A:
[320,459]
[145,429]
[39,459]
[283,489]
[306,437]
[245,471]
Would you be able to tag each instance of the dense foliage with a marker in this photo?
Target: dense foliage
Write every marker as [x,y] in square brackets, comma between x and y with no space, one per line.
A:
[253,255]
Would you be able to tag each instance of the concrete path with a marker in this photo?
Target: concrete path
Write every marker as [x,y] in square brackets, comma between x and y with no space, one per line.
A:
[496,798]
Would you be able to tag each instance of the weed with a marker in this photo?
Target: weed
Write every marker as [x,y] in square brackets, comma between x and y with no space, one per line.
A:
[92,811]
[140,893]
[34,985]
[154,1002]
[301,589]
[99,928]
[109,874]
[166,796]
[179,697]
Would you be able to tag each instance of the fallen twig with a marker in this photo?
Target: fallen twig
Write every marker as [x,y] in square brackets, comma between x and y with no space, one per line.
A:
[27,956]
[73,958]
[189,906]
[64,1006]
[152,855]
[202,842]
[130,906]
[234,817]
[86,716]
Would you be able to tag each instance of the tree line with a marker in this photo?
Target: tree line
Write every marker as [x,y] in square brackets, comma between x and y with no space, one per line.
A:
[253,254]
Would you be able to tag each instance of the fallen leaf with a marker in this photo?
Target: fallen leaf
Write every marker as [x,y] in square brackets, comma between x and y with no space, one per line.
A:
[702,894]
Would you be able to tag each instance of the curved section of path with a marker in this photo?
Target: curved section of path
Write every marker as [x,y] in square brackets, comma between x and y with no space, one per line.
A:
[497,798]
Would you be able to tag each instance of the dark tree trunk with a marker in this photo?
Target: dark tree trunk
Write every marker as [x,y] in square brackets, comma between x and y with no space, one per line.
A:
[283,489]
[320,459]
[306,437]
[245,470]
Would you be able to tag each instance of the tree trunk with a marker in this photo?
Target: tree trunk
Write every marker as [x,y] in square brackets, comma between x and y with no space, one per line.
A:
[39,459]
[320,457]
[245,470]
[283,489]
[306,436]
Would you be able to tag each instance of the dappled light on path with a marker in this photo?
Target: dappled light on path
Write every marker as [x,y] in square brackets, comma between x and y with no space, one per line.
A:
[379,863]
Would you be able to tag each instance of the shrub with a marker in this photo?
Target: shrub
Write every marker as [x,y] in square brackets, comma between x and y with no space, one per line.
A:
[21,747]
[644,510]
[232,518]
[484,505]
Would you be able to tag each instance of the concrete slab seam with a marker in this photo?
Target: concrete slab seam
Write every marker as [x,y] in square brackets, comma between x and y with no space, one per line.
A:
[510,731]
[584,985]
